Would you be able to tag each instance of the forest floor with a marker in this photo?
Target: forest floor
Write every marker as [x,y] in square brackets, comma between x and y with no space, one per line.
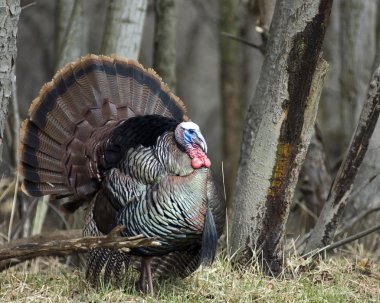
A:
[337,279]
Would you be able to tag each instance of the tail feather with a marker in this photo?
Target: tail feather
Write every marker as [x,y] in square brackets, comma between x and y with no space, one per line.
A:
[41,160]
[70,93]
[30,135]
[76,111]
[111,79]
[85,84]
[37,189]
[209,239]
[41,175]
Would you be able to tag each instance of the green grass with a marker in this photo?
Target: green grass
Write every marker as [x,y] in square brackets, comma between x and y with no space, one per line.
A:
[335,280]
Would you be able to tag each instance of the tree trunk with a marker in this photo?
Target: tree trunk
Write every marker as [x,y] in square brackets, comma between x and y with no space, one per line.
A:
[9,15]
[62,13]
[376,62]
[351,50]
[324,230]
[357,54]
[124,27]
[330,107]
[164,60]
[233,106]
[72,43]
[290,86]
[367,187]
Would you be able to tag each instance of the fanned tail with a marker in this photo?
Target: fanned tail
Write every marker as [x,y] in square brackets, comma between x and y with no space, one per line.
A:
[76,111]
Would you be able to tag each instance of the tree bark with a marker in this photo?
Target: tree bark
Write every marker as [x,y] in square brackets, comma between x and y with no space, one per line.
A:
[124,27]
[290,86]
[324,230]
[233,107]
[9,15]
[164,60]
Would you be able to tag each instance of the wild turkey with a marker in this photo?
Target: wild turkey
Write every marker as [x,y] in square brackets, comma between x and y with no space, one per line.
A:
[107,131]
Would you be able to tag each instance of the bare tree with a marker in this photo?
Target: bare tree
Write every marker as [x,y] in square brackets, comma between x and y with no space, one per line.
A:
[9,15]
[365,61]
[357,54]
[164,60]
[62,12]
[124,27]
[350,49]
[290,85]
[232,105]
[324,230]
[72,39]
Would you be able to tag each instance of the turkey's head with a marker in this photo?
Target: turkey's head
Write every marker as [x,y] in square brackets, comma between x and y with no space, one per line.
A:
[189,136]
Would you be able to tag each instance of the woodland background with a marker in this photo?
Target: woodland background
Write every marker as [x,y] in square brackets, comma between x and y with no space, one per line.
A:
[216,77]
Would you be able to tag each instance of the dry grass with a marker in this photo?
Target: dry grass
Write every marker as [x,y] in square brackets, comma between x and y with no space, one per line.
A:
[336,280]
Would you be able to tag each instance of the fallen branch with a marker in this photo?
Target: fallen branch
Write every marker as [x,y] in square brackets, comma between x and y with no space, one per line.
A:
[63,243]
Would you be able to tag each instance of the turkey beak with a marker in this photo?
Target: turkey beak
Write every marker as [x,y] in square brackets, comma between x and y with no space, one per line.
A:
[200,140]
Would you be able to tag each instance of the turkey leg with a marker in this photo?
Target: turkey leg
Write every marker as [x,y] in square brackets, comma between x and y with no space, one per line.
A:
[146,274]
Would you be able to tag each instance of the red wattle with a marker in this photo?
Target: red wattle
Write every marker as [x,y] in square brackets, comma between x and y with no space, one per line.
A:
[207,162]
[198,158]
[196,163]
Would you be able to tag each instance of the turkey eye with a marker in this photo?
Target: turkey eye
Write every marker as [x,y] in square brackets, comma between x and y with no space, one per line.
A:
[191,131]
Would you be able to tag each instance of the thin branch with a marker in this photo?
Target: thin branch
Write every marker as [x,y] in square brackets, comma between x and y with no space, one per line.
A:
[40,215]
[357,219]
[7,190]
[25,217]
[13,209]
[14,121]
[59,213]
[342,242]
[359,190]
[300,243]
[63,243]
[306,209]
[29,5]
[244,41]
